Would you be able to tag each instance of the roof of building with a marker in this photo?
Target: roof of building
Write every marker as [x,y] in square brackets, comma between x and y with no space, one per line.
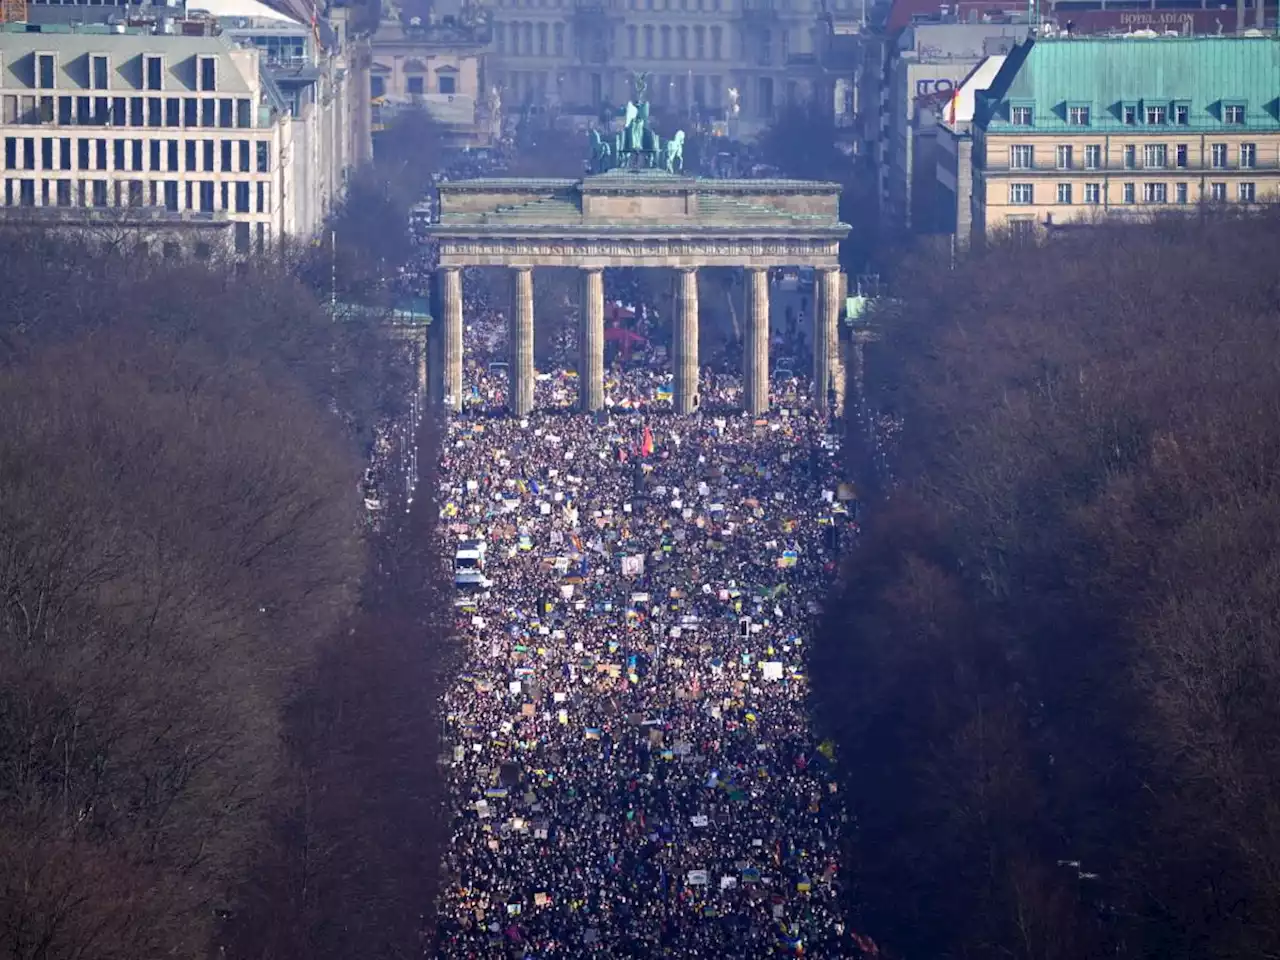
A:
[240,9]
[1207,74]
[903,13]
[960,108]
[71,44]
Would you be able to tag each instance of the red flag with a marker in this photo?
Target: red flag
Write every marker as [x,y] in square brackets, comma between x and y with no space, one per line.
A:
[646,444]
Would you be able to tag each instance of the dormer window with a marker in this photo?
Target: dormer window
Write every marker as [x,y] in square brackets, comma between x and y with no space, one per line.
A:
[1020,116]
[152,72]
[1233,114]
[207,74]
[1129,114]
[1182,114]
[1078,115]
[1157,116]
[98,71]
[45,63]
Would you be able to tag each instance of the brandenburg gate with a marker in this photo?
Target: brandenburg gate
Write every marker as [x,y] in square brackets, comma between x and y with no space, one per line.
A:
[638,215]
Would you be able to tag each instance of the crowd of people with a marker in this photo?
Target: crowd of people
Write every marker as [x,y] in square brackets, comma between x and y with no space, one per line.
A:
[630,767]
[631,770]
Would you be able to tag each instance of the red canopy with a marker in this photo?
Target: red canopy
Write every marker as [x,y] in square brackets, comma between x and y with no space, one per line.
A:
[623,335]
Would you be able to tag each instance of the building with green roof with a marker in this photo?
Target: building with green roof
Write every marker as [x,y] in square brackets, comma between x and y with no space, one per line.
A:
[1074,128]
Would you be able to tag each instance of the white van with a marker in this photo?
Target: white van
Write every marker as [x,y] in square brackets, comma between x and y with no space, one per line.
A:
[468,563]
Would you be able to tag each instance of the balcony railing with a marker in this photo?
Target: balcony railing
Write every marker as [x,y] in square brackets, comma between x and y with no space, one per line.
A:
[1197,169]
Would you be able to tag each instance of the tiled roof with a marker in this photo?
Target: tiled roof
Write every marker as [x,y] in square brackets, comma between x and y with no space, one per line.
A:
[1105,74]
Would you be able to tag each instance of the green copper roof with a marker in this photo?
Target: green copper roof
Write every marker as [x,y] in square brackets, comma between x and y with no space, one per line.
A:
[1207,74]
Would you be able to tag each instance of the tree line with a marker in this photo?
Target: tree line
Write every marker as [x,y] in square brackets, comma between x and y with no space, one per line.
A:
[218,726]
[1052,665]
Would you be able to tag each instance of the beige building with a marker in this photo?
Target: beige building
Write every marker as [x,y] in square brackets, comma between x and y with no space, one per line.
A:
[578,56]
[1073,129]
[437,64]
[192,126]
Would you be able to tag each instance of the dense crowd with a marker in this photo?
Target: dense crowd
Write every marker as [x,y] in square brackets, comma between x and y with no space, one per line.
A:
[631,770]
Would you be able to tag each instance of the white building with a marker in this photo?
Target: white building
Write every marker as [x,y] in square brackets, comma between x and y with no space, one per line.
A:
[194,126]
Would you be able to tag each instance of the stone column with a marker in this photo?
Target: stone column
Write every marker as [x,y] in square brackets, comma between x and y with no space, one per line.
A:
[591,341]
[522,372]
[451,305]
[826,358]
[685,352]
[756,355]
[423,381]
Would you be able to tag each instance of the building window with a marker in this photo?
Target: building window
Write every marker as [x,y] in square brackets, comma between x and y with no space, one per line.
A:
[99,193]
[44,70]
[632,40]
[1181,153]
[715,43]
[542,39]
[1218,192]
[1063,157]
[1078,116]
[264,157]
[648,43]
[447,83]
[1092,156]
[558,39]
[1180,192]
[1022,194]
[1129,115]
[1155,193]
[415,86]
[682,42]
[1021,157]
[1155,116]
[244,114]
[98,71]
[1155,156]
[208,74]
[1020,116]
[1092,193]
[664,33]
[173,112]
[1233,113]
[1127,193]
[208,113]
[1248,156]
[1218,156]
[153,72]
[1182,114]
[1064,193]
[1246,192]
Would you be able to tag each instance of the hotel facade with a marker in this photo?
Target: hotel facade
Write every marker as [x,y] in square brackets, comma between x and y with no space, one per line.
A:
[1071,129]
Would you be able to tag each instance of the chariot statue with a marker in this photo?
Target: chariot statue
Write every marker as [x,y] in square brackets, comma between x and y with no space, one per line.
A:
[637,146]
